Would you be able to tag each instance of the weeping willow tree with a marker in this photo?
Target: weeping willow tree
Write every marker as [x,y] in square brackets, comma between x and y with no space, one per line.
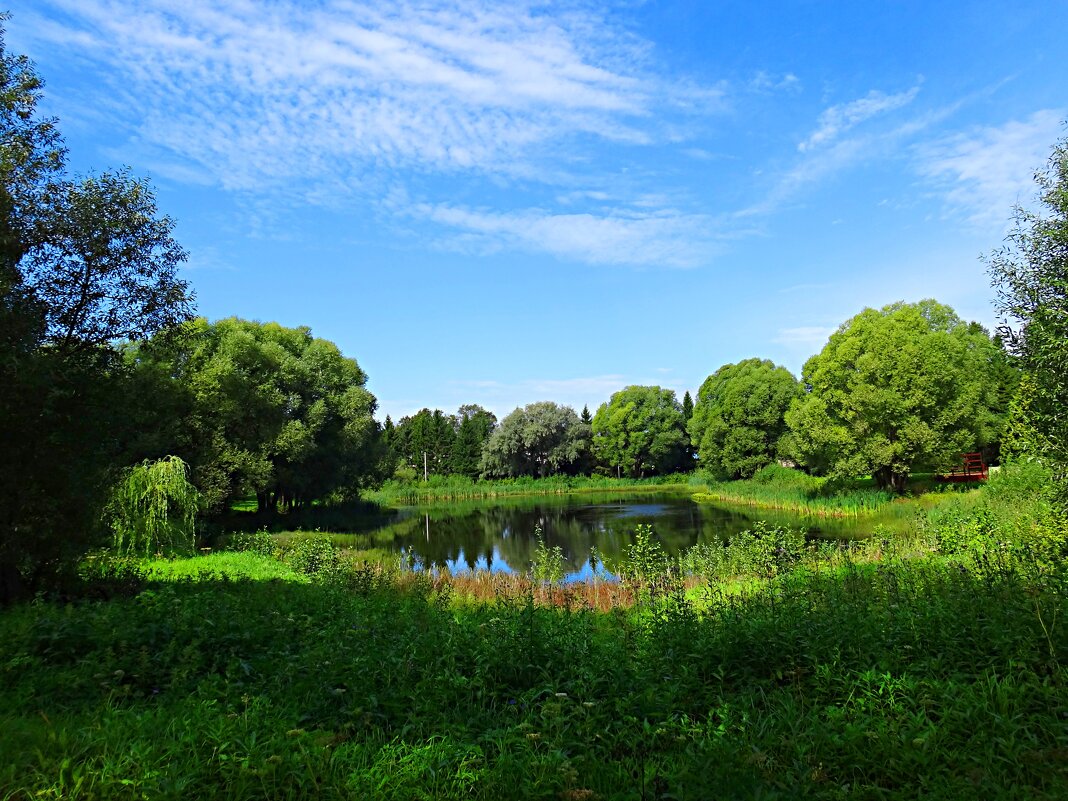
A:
[153,509]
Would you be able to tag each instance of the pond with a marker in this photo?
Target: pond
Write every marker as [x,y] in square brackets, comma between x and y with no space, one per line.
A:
[501,534]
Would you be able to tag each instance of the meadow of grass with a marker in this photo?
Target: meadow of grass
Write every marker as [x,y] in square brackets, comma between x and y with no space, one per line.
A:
[455,487]
[931,667]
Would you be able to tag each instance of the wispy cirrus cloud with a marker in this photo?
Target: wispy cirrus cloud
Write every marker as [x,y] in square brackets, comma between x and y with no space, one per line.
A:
[765,81]
[984,172]
[839,119]
[836,153]
[342,101]
[807,337]
[622,236]
[256,93]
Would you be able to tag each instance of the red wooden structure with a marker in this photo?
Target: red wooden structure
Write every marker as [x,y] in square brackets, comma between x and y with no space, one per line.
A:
[972,469]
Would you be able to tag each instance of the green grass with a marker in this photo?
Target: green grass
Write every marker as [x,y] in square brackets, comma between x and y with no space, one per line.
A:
[889,670]
[911,679]
[222,566]
[453,487]
[792,491]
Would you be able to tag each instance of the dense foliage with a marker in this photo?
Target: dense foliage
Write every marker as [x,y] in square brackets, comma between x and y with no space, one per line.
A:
[894,390]
[439,444]
[762,665]
[537,440]
[740,417]
[261,409]
[472,433]
[82,263]
[1031,276]
[424,441]
[640,431]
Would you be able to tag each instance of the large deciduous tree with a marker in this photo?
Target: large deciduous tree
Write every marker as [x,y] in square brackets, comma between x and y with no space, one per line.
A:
[1030,274]
[740,417]
[538,440]
[82,264]
[267,410]
[906,387]
[640,431]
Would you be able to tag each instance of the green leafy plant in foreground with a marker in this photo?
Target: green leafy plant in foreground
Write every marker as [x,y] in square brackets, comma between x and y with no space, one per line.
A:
[892,680]
[153,509]
[549,565]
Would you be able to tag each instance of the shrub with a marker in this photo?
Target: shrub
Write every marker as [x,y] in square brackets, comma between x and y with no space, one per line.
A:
[315,556]
[765,550]
[259,542]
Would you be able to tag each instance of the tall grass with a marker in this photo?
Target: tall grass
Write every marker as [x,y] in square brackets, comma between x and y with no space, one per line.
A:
[893,680]
[454,487]
[781,488]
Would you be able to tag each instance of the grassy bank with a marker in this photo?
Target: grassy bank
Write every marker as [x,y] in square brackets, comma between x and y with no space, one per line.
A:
[792,491]
[451,488]
[933,667]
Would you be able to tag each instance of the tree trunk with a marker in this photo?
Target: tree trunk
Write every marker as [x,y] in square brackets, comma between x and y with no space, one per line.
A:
[889,479]
[899,481]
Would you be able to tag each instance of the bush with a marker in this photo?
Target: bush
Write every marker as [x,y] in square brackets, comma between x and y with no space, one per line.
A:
[314,555]
[961,525]
[549,565]
[259,542]
[765,550]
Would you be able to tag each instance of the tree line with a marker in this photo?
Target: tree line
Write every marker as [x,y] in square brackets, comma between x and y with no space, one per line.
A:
[907,387]
[103,366]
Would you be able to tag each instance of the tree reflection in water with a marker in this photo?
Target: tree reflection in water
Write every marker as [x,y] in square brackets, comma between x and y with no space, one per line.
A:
[498,535]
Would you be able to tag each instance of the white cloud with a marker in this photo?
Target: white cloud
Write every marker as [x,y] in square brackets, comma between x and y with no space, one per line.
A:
[815,165]
[258,94]
[767,82]
[659,238]
[985,172]
[836,120]
[809,337]
[359,103]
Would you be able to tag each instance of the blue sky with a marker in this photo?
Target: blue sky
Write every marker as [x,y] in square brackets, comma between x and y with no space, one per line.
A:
[501,203]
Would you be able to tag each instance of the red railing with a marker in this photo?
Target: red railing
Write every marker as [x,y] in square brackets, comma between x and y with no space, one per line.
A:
[972,469]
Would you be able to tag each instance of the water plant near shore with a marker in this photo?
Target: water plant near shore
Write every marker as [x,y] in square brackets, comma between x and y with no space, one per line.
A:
[454,487]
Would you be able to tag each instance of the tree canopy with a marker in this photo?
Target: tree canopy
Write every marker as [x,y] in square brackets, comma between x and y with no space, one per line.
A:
[539,439]
[1030,274]
[426,438]
[740,417]
[640,431]
[474,430]
[268,410]
[895,390]
[83,263]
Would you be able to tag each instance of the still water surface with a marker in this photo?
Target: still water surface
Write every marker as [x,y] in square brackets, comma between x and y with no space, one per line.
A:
[500,534]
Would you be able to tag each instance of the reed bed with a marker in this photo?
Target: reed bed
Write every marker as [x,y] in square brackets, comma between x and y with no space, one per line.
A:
[457,488]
